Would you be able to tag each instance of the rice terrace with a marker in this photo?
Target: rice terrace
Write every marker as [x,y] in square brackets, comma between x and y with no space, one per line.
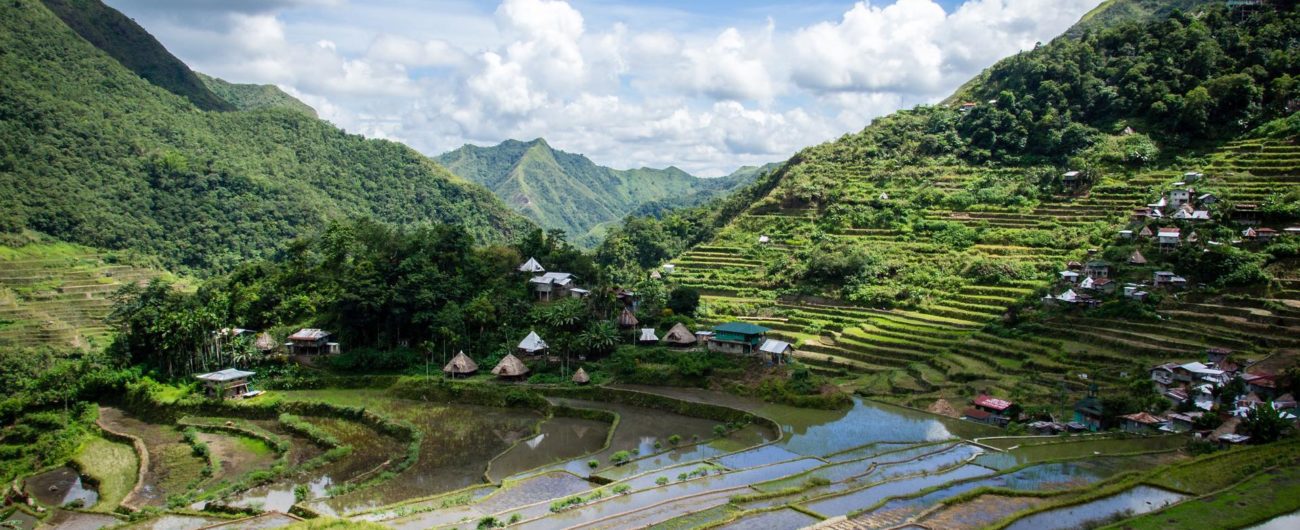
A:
[898,264]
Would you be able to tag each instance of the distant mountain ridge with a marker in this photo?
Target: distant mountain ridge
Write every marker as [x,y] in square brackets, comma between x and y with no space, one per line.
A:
[567,191]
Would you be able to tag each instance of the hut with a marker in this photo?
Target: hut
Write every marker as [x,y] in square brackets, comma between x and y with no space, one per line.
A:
[532,345]
[460,365]
[228,383]
[265,343]
[532,266]
[580,377]
[778,351]
[648,337]
[680,336]
[510,367]
[1136,258]
[311,341]
[627,320]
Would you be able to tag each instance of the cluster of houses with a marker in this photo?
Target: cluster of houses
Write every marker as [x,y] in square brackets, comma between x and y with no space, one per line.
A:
[1183,203]
[1194,389]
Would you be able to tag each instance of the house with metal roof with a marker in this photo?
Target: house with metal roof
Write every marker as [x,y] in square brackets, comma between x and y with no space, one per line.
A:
[223,384]
[737,337]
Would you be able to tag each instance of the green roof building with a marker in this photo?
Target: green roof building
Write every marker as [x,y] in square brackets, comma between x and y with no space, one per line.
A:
[737,337]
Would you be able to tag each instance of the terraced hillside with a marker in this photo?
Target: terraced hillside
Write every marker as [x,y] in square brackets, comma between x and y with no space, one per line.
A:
[939,344]
[58,295]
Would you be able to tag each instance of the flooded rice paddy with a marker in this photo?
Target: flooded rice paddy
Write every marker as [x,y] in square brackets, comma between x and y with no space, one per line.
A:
[878,464]
[1135,501]
[173,466]
[62,487]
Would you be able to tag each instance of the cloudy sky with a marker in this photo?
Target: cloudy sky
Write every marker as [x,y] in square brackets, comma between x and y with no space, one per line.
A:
[707,86]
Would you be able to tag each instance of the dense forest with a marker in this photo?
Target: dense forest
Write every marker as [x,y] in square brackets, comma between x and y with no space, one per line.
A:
[92,153]
[569,192]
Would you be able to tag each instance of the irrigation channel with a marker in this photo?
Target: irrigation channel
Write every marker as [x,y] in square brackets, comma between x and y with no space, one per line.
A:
[875,465]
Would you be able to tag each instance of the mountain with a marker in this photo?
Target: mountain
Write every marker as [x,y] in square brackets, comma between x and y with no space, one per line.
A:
[253,97]
[911,259]
[121,38]
[569,192]
[108,141]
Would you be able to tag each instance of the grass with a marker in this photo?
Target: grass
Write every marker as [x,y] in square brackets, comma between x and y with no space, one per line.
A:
[330,523]
[1257,499]
[113,465]
[253,446]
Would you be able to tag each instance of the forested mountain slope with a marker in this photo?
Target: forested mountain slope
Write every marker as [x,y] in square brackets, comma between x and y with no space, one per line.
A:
[910,257]
[94,154]
[246,96]
[569,192]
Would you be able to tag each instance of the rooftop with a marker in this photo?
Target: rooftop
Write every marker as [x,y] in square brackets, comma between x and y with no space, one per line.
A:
[740,328]
[229,374]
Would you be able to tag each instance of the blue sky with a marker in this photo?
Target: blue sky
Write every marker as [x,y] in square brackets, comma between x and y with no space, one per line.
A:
[705,86]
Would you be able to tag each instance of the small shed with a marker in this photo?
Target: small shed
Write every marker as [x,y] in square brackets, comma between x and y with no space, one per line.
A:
[627,320]
[580,377]
[228,383]
[460,365]
[778,351]
[648,336]
[1136,258]
[510,367]
[680,336]
[532,344]
[1142,423]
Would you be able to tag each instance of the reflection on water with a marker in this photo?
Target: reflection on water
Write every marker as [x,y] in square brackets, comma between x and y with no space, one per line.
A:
[559,439]
[1285,522]
[1136,501]
[60,487]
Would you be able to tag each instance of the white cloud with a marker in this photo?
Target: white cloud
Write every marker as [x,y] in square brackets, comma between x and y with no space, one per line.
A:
[644,87]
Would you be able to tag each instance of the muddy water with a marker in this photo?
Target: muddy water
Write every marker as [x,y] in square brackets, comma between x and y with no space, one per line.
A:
[559,439]
[458,442]
[638,430]
[20,521]
[172,464]
[857,500]
[176,522]
[1136,501]
[60,487]
[68,520]
[1284,522]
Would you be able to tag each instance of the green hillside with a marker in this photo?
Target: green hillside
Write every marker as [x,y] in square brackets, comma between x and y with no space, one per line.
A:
[910,258]
[247,96]
[569,192]
[121,38]
[91,153]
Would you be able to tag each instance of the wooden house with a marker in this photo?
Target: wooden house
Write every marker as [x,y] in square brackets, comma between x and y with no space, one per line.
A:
[1245,214]
[1207,199]
[627,320]
[737,337]
[510,367]
[228,383]
[680,336]
[1168,279]
[1163,376]
[1142,423]
[1168,237]
[999,411]
[532,345]
[555,285]
[1145,232]
[1090,413]
[265,343]
[1071,179]
[460,366]
[1136,258]
[1179,197]
[311,341]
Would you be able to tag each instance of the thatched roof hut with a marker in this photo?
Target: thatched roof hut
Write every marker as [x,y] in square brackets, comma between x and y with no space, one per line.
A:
[679,335]
[626,319]
[461,364]
[265,342]
[510,366]
[1136,258]
[648,336]
[580,377]
[532,344]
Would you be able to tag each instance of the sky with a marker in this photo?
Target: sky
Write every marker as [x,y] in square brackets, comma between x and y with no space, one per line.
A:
[707,86]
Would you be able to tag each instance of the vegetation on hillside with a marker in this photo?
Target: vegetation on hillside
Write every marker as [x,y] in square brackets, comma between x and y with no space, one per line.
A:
[569,192]
[245,96]
[94,154]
